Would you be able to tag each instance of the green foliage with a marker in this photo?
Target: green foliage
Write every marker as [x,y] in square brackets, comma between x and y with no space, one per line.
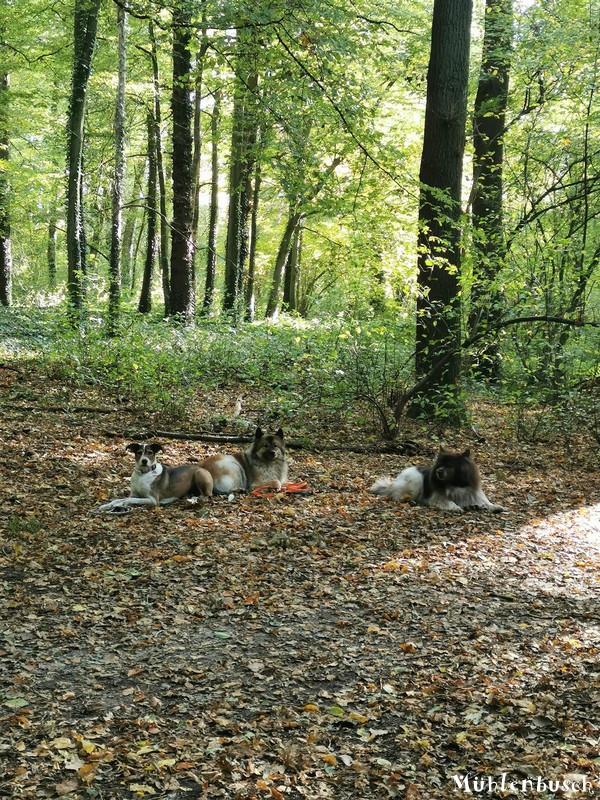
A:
[340,81]
[294,371]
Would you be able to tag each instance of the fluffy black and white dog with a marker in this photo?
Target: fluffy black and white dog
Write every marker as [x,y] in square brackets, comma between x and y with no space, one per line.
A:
[452,483]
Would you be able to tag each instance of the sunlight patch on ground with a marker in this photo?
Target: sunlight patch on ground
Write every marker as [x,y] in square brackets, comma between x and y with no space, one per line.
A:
[584,522]
[568,547]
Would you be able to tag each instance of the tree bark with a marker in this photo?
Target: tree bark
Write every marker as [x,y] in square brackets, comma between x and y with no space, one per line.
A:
[182,284]
[292,273]
[145,304]
[294,220]
[129,228]
[5,241]
[114,269]
[51,248]
[85,31]
[242,159]
[213,217]
[197,157]
[249,298]
[487,194]
[162,181]
[438,325]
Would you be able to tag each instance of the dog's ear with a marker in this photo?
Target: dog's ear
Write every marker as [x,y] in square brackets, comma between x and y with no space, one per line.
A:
[467,453]
[258,434]
[132,447]
[442,449]
[280,434]
[156,447]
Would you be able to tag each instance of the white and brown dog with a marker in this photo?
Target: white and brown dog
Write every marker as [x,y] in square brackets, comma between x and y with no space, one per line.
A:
[264,463]
[155,484]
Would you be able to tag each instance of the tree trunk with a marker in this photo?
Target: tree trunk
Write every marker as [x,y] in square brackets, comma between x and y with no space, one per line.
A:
[145,304]
[182,285]
[243,141]
[293,222]
[292,273]
[438,306]
[162,182]
[51,248]
[114,291]
[5,243]
[197,158]
[129,229]
[85,30]
[249,299]
[487,199]
[211,256]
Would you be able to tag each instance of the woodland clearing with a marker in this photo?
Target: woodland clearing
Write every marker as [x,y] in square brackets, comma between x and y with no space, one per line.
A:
[323,646]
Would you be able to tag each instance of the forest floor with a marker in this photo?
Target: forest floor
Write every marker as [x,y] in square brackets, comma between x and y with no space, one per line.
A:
[323,646]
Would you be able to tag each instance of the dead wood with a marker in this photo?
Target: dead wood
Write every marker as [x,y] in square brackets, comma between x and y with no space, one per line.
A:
[407,447]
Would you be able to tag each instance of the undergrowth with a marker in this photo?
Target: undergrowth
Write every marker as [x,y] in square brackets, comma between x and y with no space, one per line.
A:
[295,370]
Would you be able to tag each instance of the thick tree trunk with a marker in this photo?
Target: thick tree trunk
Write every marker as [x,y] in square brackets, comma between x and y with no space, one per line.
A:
[145,304]
[182,285]
[213,217]
[5,243]
[487,198]
[438,307]
[85,30]
[114,268]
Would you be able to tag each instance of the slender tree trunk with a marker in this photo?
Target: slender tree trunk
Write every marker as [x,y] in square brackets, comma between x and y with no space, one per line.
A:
[145,304]
[293,222]
[249,300]
[51,248]
[114,291]
[213,216]
[5,242]
[487,195]
[129,228]
[197,158]
[182,285]
[438,307]
[162,181]
[292,273]
[243,142]
[85,30]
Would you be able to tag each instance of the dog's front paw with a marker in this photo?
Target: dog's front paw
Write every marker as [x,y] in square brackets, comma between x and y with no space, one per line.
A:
[277,485]
[114,507]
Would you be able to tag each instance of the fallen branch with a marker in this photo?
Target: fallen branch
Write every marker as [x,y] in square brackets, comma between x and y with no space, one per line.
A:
[407,447]
[65,409]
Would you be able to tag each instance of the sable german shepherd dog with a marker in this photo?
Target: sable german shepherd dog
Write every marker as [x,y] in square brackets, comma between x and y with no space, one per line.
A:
[452,483]
[264,463]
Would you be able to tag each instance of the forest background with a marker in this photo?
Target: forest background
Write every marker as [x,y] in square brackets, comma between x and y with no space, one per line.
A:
[224,163]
